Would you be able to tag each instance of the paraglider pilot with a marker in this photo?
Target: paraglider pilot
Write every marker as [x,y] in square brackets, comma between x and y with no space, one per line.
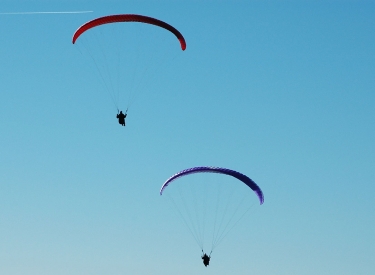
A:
[206,259]
[121,118]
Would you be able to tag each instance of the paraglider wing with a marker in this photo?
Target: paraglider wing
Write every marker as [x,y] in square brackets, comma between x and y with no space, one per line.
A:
[129,18]
[249,182]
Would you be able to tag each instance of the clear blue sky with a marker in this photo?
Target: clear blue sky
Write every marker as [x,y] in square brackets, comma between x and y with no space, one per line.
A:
[282,91]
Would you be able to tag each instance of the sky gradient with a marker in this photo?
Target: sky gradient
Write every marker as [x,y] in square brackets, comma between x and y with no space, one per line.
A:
[281,91]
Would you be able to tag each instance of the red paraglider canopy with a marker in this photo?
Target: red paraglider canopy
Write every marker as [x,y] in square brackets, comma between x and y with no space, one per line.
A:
[129,18]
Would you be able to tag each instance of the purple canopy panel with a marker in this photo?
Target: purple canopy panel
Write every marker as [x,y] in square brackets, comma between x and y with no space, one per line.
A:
[249,182]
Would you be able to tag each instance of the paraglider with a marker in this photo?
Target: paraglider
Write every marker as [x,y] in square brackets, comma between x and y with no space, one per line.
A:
[211,207]
[206,259]
[121,118]
[122,53]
